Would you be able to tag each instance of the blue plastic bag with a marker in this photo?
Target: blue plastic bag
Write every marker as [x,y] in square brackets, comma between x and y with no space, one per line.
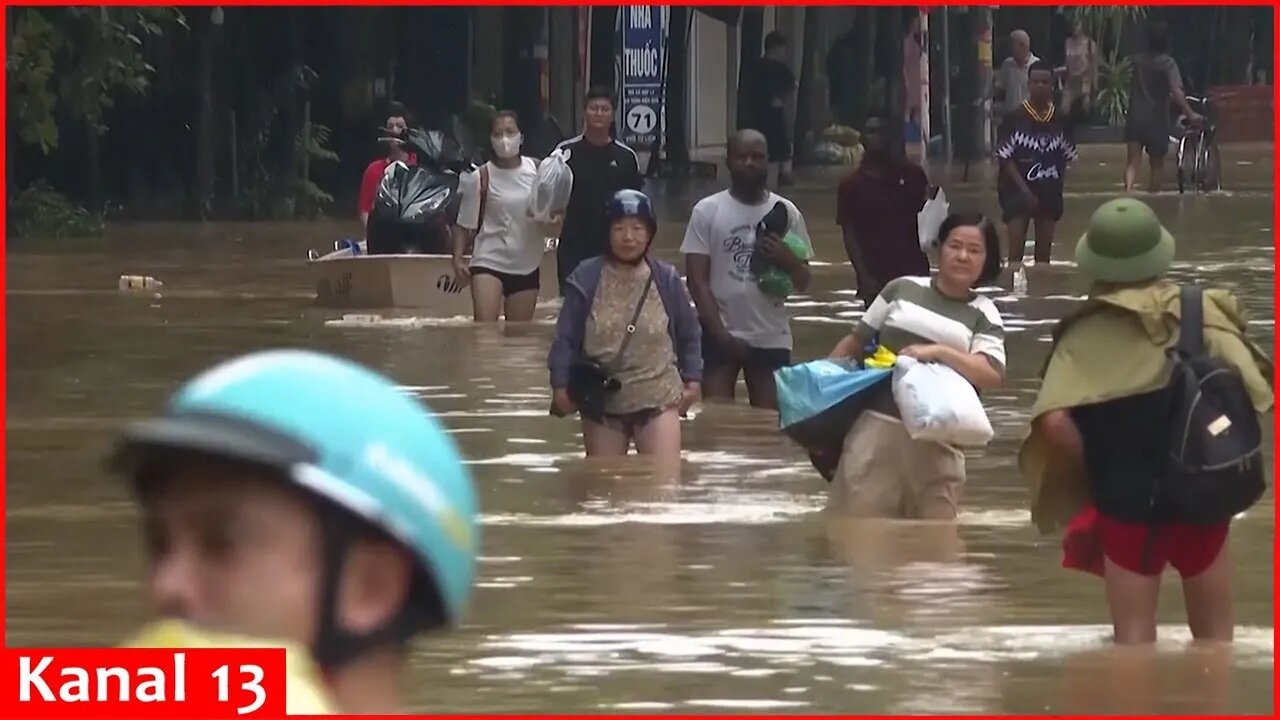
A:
[818,401]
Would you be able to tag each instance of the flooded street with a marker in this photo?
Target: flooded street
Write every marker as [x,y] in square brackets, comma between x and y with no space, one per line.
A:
[600,589]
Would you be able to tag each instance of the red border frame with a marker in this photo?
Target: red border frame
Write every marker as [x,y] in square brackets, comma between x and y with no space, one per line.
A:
[925,3]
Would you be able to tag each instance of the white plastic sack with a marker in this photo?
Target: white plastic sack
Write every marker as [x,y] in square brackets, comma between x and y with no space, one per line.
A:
[929,220]
[938,404]
[551,187]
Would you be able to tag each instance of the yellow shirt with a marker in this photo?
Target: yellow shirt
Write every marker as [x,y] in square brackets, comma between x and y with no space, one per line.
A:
[305,692]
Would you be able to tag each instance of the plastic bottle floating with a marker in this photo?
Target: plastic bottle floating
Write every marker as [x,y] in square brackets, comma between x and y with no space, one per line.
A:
[1020,282]
[140,283]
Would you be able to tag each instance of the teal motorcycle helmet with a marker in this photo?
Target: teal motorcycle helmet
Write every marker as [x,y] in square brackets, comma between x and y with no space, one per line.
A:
[352,440]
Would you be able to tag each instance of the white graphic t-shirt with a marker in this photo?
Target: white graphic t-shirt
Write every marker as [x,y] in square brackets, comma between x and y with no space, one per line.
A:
[509,241]
[724,229]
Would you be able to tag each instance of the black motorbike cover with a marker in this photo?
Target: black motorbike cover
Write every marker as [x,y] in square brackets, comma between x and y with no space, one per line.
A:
[415,206]
[415,195]
[437,150]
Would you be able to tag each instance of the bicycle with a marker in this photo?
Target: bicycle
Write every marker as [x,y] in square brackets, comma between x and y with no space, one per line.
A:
[1198,159]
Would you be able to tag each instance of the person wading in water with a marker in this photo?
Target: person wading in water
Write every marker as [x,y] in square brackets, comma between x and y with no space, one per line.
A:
[876,208]
[1034,149]
[881,471]
[743,329]
[630,315]
[601,167]
[508,244]
[1107,420]
[1155,81]
[393,137]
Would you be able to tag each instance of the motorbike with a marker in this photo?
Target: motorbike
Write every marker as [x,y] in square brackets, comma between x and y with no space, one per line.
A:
[416,205]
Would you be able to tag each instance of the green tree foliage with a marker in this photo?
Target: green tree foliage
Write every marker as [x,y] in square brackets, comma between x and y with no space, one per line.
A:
[1104,24]
[72,61]
[39,211]
[311,143]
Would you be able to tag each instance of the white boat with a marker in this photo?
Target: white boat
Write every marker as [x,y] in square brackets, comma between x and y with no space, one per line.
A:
[351,280]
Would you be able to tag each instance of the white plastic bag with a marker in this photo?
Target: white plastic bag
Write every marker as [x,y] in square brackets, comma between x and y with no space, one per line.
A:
[938,404]
[929,220]
[552,186]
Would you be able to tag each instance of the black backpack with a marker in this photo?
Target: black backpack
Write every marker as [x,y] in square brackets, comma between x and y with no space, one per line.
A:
[1214,469]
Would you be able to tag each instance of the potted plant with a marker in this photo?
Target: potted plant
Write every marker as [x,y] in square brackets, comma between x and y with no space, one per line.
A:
[1112,103]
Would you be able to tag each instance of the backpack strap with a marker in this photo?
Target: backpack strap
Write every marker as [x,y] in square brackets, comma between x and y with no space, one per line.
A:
[482,177]
[1191,337]
[484,195]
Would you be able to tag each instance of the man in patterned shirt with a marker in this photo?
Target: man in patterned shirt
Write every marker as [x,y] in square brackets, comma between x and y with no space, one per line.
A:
[1034,146]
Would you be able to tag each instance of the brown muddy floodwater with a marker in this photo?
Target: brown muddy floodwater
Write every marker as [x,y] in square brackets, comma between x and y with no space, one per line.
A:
[600,590]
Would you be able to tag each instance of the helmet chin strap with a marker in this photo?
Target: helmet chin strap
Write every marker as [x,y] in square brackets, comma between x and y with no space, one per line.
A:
[335,647]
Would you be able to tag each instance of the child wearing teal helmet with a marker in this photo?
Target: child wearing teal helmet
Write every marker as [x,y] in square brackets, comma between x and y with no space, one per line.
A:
[300,497]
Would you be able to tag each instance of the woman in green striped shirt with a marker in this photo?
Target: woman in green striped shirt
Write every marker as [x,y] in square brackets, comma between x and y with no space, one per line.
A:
[882,472]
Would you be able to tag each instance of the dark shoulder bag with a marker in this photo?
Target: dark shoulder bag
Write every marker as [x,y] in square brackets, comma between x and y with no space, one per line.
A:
[591,383]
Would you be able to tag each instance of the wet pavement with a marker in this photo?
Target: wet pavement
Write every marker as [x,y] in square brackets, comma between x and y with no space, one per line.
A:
[601,589]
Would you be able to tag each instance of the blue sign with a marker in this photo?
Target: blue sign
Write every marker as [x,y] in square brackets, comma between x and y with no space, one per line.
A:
[643,30]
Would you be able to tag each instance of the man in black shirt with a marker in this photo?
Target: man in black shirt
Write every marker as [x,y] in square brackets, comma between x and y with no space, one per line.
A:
[601,167]
[776,95]
[1035,146]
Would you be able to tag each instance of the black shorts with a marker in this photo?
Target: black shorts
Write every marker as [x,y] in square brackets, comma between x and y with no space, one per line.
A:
[632,422]
[714,356]
[1152,136]
[1013,204]
[511,283]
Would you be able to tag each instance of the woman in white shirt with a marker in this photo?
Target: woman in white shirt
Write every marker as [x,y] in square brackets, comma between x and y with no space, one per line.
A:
[494,219]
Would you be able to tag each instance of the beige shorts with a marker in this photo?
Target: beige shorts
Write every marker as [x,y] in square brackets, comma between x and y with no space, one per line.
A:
[884,473]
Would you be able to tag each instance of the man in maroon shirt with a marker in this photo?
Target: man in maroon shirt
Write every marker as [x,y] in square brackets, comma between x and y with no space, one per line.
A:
[876,208]
[397,125]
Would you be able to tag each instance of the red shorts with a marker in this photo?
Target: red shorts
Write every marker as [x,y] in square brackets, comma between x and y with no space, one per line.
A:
[1190,549]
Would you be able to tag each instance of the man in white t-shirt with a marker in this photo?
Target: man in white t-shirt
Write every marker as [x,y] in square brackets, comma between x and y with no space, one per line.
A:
[1009,83]
[743,329]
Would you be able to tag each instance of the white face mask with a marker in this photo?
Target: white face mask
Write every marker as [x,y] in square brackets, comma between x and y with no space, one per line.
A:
[507,146]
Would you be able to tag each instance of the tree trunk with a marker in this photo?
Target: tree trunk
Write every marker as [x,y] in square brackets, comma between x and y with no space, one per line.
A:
[860,93]
[9,17]
[894,88]
[677,59]
[1263,45]
[1234,47]
[293,123]
[521,80]
[93,138]
[751,45]
[306,207]
[966,87]
[809,94]
[93,149]
[205,120]
[604,45]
